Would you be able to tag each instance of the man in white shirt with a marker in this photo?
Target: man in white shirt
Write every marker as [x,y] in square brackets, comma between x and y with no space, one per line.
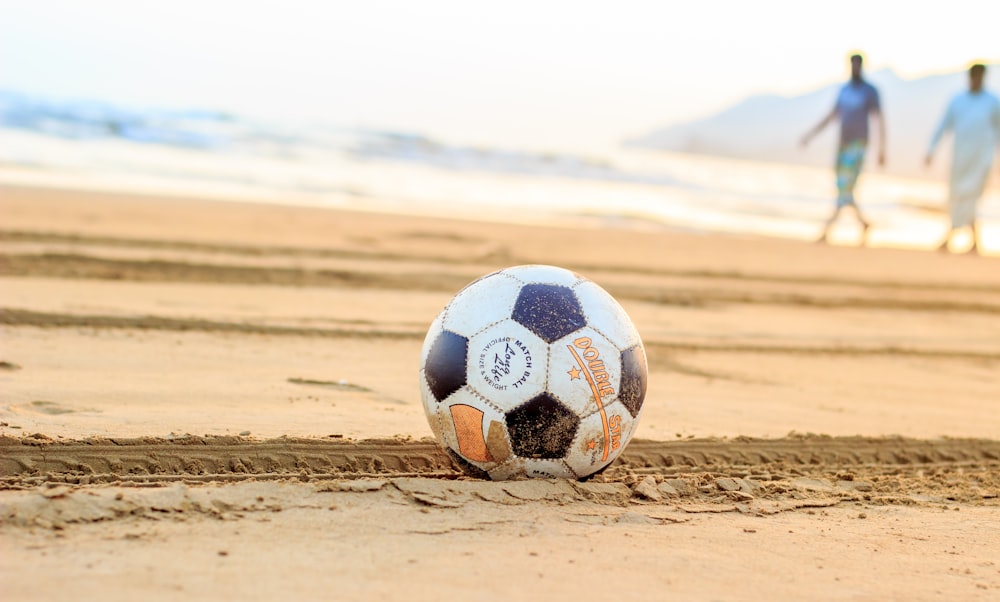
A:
[974,119]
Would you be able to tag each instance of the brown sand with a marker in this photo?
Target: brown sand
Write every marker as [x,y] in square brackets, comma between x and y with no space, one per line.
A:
[190,392]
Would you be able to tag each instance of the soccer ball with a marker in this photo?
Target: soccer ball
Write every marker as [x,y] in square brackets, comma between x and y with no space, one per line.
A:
[533,371]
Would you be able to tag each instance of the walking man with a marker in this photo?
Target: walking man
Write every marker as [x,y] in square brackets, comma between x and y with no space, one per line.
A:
[856,101]
[974,119]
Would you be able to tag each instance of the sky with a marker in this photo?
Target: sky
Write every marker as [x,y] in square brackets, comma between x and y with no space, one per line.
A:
[540,74]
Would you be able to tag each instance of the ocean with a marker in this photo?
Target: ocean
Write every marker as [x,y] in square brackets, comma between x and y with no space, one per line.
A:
[223,156]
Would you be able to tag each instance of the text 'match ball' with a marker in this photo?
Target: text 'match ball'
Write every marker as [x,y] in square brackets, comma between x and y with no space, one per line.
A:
[533,371]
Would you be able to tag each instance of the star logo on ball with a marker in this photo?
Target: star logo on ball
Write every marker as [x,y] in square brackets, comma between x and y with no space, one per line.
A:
[574,373]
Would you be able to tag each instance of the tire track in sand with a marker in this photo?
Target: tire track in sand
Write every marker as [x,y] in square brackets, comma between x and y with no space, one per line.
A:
[38,458]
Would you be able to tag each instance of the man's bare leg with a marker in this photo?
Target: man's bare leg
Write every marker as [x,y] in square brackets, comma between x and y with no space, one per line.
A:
[974,249]
[829,224]
[865,225]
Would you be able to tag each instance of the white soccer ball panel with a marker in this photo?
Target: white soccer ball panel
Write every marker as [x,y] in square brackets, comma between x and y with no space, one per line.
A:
[438,426]
[480,304]
[507,364]
[511,469]
[545,274]
[628,422]
[548,469]
[584,369]
[606,315]
[600,439]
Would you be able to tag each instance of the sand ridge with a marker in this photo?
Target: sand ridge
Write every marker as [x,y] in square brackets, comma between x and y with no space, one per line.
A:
[877,470]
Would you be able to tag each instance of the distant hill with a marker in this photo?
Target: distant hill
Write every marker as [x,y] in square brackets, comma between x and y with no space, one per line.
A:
[769,127]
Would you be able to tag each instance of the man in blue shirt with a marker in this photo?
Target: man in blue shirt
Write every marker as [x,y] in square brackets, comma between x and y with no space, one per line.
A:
[856,101]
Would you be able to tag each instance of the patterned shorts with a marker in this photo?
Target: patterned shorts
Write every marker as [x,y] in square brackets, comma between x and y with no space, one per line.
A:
[850,158]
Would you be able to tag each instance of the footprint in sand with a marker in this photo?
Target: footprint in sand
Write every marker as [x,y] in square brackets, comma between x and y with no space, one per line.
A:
[343,385]
[51,408]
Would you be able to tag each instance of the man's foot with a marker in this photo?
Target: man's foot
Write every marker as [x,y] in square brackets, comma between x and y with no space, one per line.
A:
[973,250]
[821,239]
[865,227]
[943,248]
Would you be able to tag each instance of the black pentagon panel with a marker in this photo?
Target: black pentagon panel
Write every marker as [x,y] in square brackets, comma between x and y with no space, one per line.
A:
[633,388]
[446,364]
[542,428]
[548,310]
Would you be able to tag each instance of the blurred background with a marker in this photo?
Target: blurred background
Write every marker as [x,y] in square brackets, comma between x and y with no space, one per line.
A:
[628,114]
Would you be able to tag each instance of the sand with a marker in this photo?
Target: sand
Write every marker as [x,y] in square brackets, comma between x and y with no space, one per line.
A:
[219,400]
